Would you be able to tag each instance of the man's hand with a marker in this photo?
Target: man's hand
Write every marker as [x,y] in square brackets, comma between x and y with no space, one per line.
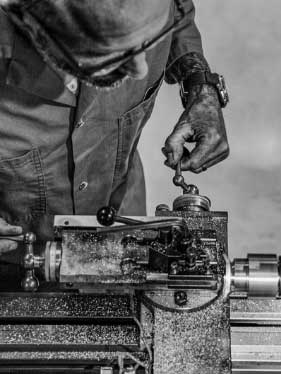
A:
[202,123]
[8,230]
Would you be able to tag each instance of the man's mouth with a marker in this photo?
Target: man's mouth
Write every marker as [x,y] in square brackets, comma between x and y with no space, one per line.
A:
[111,80]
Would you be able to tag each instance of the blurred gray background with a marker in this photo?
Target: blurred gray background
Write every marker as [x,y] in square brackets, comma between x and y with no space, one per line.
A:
[242,40]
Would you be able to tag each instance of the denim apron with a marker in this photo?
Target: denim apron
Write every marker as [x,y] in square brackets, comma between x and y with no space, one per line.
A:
[67,154]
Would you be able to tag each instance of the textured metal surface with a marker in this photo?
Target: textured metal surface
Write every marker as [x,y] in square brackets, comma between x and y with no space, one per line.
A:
[70,329]
[205,221]
[257,305]
[66,362]
[58,356]
[65,305]
[256,335]
[42,336]
[255,312]
[87,258]
[193,342]
[197,342]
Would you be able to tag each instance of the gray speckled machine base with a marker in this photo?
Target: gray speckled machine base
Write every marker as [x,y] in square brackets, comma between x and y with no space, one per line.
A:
[193,343]
[197,342]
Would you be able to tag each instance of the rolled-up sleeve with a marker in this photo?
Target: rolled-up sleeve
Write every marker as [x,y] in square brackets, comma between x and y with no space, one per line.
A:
[188,39]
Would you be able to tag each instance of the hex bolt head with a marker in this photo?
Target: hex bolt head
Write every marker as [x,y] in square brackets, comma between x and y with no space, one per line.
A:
[180,298]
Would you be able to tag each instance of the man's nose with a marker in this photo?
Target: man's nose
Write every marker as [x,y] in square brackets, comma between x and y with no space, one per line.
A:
[137,67]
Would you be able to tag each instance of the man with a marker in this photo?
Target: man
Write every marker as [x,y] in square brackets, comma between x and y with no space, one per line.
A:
[78,83]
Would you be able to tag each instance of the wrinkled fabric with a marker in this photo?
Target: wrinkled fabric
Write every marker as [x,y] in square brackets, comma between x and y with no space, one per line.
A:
[62,153]
[186,65]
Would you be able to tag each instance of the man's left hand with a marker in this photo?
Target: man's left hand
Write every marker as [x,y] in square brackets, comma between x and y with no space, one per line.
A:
[202,123]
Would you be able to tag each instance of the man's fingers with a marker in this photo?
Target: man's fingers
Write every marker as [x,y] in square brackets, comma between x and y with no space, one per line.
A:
[208,134]
[7,229]
[174,144]
[202,157]
[170,160]
[173,154]
[7,245]
[212,162]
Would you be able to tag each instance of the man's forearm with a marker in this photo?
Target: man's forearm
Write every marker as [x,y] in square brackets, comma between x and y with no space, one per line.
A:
[185,66]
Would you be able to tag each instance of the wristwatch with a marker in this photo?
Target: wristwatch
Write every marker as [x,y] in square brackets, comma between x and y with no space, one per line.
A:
[206,77]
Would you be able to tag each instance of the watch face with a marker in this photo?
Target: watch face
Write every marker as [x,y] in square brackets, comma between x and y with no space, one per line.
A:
[222,91]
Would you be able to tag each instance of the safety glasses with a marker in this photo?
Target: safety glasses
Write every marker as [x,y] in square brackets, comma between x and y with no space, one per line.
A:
[60,57]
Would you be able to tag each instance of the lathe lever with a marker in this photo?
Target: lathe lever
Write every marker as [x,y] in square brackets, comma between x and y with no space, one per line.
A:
[107,216]
[30,262]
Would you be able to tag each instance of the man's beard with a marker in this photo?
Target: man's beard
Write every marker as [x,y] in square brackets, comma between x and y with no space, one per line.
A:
[110,81]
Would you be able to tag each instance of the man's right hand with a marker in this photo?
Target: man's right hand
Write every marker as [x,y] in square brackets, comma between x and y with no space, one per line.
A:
[8,230]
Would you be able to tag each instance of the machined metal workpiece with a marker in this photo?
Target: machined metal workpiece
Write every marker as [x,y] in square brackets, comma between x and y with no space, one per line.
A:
[256,276]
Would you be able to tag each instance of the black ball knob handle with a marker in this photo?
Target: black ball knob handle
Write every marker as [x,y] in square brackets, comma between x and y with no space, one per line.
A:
[106,216]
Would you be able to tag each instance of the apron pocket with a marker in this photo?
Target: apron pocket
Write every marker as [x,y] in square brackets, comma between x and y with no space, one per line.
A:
[22,187]
[130,126]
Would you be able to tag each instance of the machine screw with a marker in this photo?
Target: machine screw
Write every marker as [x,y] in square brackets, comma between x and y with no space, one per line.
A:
[127,266]
[174,268]
[180,298]
[129,240]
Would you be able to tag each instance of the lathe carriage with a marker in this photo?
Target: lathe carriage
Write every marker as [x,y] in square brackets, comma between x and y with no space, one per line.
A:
[150,295]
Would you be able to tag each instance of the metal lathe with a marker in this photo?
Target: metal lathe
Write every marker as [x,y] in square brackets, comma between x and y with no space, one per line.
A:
[120,295]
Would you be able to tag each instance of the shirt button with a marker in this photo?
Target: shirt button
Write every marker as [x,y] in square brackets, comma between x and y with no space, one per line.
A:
[83,186]
[80,123]
[73,85]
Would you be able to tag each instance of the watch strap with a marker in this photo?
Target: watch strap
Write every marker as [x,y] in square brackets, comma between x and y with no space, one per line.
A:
[206,77]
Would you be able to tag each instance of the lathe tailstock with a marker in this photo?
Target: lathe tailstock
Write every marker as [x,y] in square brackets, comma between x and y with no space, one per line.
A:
[154,295]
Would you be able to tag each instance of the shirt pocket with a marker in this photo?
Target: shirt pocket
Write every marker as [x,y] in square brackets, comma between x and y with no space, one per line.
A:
[130,126]
[22,187]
